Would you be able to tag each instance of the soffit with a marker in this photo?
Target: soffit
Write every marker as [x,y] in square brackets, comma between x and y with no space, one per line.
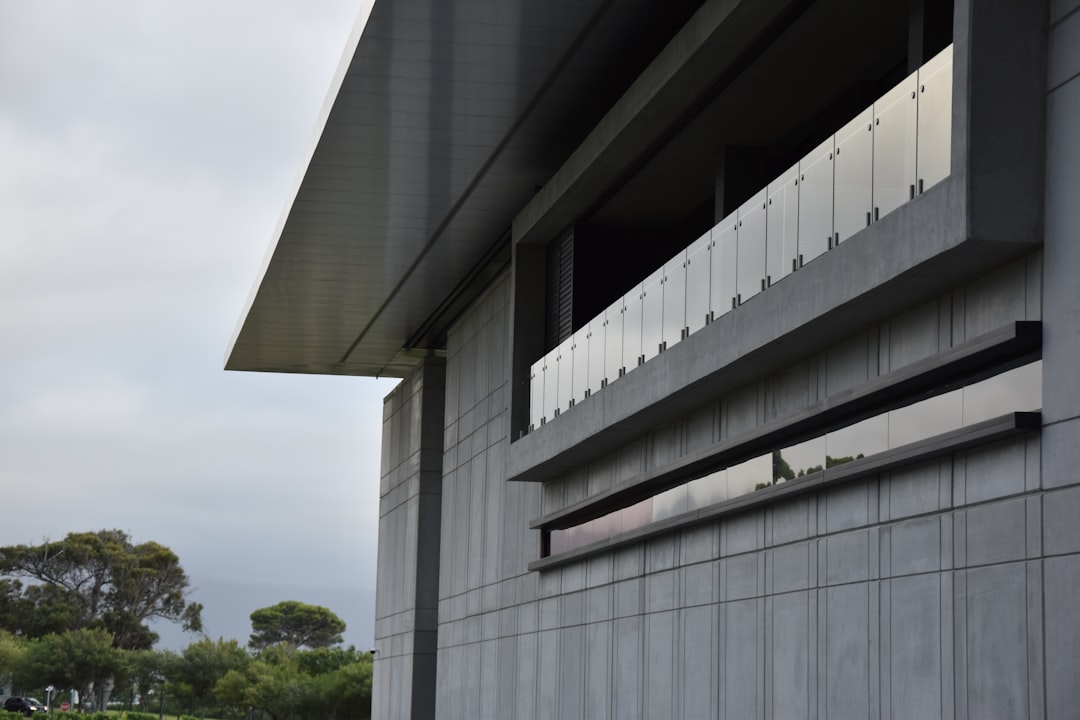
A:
[448,117]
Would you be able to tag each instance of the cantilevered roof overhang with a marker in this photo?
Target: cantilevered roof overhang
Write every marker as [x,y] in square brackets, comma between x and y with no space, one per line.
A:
[444,119]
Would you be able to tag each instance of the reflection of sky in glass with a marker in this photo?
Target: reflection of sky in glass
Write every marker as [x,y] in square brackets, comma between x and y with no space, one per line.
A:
[746,476]
[932,416]
[669,503]
[1019,389]
[1016,390]
[806,457]
[707,491]
[866,437]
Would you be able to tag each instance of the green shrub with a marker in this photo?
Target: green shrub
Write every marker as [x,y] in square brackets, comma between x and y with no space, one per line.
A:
[132,715]
[5,715]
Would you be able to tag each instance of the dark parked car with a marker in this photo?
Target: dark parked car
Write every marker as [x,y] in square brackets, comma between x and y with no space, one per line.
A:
[26,706]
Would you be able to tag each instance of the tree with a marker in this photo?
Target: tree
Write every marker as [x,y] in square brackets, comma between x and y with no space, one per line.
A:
[296,624]
[75,659]
[203,663]
[11,650]
[92,580]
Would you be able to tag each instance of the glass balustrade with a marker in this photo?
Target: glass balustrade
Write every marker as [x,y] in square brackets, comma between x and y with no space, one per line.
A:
[698,283]
[1015,390]
[782,226]
[887,155]
[652,315]
[750,263]
[613,337]
[674,282]
[631,341]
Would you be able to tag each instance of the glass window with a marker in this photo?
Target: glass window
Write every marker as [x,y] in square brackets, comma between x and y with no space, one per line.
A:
[930,417]
[816,202]
[1017,390]
[854,175]
[857,441]
[796,461]
[751,250]
[894,147]
[749,476]
[669,503]
[706,491]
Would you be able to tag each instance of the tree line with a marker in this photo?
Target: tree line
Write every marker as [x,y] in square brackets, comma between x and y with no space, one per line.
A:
[74,616]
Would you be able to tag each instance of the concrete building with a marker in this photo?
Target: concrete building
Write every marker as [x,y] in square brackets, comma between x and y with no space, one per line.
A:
[739,344]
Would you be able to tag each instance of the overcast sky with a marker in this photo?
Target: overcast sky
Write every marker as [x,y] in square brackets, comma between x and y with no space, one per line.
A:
[147,151]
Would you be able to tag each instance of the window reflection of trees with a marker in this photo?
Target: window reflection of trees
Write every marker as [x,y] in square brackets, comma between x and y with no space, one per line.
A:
[1014,390]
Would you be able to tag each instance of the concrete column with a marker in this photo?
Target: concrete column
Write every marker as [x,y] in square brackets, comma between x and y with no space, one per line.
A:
[410,511]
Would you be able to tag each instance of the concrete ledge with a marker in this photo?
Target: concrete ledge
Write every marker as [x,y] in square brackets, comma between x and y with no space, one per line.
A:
[944,444]
[1013,344]
[908,257]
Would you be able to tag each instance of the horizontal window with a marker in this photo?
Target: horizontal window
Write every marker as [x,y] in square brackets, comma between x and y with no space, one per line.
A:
[1019,389]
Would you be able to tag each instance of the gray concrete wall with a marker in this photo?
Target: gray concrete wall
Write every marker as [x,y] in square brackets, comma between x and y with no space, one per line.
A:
[943,590]
[918,593]
[1061,358]
[410,503]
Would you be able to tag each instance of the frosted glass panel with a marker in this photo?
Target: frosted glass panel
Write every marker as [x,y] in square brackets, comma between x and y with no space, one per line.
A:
[894,147]
[725,252]
[854,175]
[536,393]
[596,353]
[816,202]
[566,374]
[579,346]
[613,335]
[674,299]
[631,344]
[551,383]
[935,119]
[782,226]
[697,282]
[751,252]
[652,314]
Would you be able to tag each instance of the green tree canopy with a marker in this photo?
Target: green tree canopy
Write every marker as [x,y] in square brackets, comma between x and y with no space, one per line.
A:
[296,624]
[95,579]
[203,663]
[74,659]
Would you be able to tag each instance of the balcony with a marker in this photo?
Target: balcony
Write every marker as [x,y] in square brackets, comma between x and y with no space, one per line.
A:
[888,155]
